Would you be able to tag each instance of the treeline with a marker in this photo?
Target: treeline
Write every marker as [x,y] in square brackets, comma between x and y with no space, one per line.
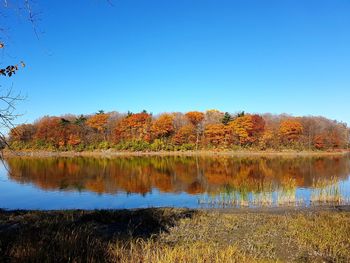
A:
[178,131]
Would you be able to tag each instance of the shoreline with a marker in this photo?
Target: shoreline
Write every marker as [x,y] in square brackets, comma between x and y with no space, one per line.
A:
[229,210]
[202,153]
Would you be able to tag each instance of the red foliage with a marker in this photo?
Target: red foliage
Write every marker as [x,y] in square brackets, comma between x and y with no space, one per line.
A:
[186,134]
[320,141]
[57,131]
[49,130]
[22,133]
[135,126]
[258,126]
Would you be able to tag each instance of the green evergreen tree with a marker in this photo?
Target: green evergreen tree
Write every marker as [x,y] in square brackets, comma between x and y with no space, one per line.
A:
[64,122]
[240,114]
[226,119]
[80,120]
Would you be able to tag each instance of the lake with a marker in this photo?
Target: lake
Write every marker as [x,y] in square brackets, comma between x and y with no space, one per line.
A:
[173,181]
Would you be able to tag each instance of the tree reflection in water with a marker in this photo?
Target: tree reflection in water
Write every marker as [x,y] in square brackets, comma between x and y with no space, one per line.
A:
[257,178]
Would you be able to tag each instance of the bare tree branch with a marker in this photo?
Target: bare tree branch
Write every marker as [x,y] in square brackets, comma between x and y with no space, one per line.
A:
[9,99]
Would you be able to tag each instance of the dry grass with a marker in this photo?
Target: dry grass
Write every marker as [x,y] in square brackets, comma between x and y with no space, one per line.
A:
[292,236]
[323,236]
[157,252]
[176,235]
[76,236]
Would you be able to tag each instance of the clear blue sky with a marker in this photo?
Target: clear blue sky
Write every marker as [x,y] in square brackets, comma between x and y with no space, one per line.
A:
[289,56]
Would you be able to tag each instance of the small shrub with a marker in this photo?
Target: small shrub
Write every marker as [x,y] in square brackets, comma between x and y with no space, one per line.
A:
[80,147]
[103,145]
[158,145]
[187,147]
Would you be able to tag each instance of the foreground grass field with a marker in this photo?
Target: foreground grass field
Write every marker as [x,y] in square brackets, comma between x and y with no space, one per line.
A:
[176,235]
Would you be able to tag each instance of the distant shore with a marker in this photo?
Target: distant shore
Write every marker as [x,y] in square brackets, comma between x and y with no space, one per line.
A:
[114,153]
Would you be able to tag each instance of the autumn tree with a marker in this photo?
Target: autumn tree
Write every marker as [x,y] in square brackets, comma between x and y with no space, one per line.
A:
[196,118]
[267,139]
[258,127]
[58,132]
[72,132]
[240,128]
[163,127]
[320,141]
[22,133]
[186,134]
[290,130]
[213,116]
[334,138]
[247,129]
[113,120]
[49,131]
[179,120]
[98,122]
[134,127]
[217,134]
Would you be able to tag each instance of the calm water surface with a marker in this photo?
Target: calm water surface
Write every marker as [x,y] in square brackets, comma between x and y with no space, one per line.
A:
[134,182]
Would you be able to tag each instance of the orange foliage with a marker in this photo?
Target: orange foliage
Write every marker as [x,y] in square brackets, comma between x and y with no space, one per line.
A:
[186,134]
[98,122]
[163,126]
[248,128]
[216,134]
[191,128]
[195,117]
[291,130]
[134,126]
[74,140]
[267,139]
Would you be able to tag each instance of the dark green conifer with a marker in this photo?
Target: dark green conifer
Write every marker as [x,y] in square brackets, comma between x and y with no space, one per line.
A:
[227,118]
